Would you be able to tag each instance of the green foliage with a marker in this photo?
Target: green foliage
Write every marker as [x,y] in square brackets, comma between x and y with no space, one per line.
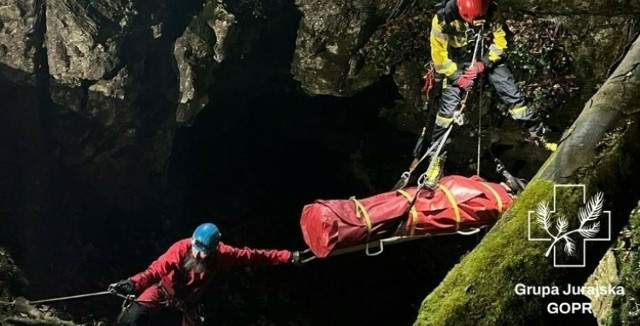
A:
[540,62]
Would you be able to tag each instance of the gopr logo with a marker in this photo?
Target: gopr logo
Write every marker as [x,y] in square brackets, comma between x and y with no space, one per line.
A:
[560,235]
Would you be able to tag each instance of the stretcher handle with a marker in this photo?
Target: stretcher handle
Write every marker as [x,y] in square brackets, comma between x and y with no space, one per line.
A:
[473,231]
[375,253]
[306,260]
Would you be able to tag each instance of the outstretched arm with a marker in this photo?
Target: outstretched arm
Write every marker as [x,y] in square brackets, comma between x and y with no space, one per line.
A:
[232,256]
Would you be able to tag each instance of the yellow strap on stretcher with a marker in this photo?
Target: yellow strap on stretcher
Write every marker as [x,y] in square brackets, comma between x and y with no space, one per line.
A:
[454,204]
[495,194]
[414,212]
[360,209]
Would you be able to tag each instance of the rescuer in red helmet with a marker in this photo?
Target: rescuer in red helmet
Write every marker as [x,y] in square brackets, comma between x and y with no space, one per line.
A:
[452,46]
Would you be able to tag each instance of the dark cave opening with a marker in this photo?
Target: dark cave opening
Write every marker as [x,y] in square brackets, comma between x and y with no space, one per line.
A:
[253,158]
[252,166]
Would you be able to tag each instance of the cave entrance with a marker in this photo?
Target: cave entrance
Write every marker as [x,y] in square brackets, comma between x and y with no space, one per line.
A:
[251,166]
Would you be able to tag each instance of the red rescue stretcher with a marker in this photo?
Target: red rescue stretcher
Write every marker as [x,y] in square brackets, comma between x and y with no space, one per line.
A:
[459,205]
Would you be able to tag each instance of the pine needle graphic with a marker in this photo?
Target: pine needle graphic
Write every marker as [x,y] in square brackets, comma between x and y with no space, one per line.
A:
[569,246]
[593,209]
[543,215]
[590,232]
[562,224]
[587,215]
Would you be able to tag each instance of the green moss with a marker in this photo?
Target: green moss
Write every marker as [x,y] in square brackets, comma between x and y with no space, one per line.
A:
[625,308]
[477,291]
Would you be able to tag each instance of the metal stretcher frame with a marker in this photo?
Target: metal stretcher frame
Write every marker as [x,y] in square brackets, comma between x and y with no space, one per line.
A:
[389,241]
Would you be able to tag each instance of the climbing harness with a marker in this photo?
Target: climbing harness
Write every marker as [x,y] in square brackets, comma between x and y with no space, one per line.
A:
[194,315]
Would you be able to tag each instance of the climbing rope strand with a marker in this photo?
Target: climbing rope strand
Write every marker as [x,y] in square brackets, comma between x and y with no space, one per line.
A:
[79,296]
[480,114]
[95,294]
[479,138]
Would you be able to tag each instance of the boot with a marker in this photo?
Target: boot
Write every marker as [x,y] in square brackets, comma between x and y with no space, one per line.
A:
[434,171]
[536,135]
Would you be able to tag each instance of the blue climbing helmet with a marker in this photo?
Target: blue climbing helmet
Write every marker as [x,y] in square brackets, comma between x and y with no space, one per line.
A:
[205,238]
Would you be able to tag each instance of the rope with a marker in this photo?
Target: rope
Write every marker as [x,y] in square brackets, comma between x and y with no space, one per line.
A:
[414,212]
[480,113]
[454,204]
[360,208]
[496,195]
[479,131]
[79,296]
[95,294]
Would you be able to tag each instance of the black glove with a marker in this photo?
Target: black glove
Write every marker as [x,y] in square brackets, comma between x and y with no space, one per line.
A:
[124,287]
[295,258]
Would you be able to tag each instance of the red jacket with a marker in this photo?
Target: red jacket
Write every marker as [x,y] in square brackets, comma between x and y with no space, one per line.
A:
[188,285]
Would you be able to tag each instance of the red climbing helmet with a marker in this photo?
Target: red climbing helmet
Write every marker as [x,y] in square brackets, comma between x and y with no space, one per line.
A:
[471,10]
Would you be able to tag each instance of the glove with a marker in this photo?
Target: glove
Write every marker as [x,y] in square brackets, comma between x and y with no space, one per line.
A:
[476,69]
[465,81]
[295,258]
[124,287]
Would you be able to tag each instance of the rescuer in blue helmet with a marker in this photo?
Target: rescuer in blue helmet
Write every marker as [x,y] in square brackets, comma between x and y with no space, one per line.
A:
[205,239]
[178,278]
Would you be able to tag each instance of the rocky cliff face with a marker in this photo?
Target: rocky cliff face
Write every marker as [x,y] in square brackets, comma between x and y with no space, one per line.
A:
[105,84]
[620,267]
[343,47]
[120,76]
[126,74]
[17,44]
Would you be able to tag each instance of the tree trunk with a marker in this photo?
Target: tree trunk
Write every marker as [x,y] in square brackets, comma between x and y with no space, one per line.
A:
[600,151]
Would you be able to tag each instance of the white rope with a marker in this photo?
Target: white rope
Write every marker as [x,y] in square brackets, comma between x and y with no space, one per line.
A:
[480,112]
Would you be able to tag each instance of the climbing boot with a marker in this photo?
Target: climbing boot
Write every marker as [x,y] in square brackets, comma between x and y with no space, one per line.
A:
[434,171]
[537,136]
